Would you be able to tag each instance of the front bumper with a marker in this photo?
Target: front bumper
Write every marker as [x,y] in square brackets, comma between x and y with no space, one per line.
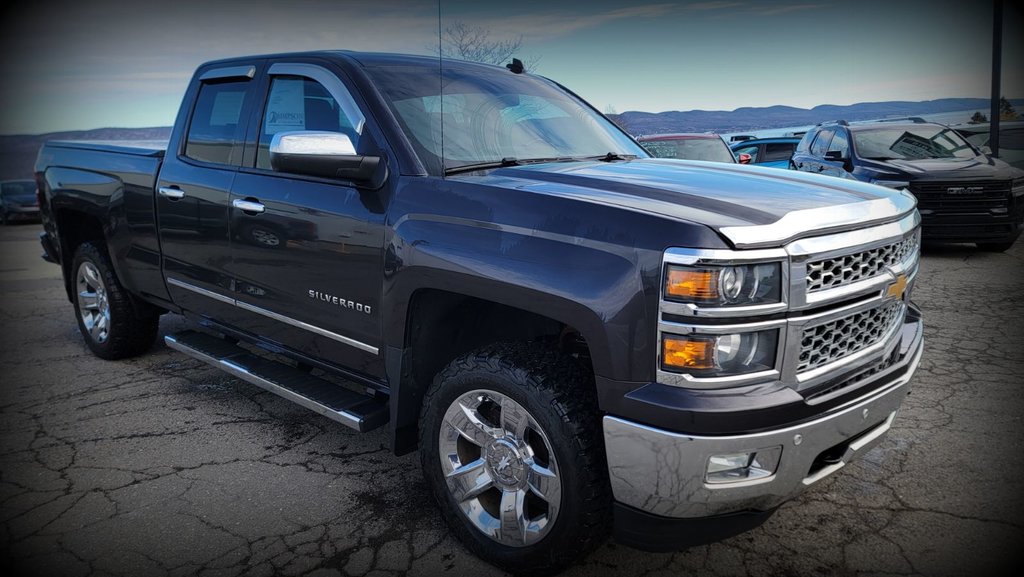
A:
[662,473]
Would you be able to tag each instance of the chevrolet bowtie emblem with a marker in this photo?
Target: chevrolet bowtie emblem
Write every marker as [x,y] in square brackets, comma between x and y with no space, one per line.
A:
[897,288]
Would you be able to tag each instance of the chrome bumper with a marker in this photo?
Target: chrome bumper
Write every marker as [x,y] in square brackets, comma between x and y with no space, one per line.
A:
[663,473]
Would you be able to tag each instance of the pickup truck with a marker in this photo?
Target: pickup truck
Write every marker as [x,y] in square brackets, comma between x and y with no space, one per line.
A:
[579,339]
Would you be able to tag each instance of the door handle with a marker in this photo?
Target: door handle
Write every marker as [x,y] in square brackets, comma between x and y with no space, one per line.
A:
[250,206]
[821,167]
[171,192]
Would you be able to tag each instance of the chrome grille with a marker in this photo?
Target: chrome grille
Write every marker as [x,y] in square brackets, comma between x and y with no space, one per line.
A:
[831,341]
[848,269]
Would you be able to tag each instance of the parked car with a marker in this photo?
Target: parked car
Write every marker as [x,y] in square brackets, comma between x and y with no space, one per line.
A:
[18,201]
[768,152]
[1011,139]
[690,146]
[963,194]
[581,341]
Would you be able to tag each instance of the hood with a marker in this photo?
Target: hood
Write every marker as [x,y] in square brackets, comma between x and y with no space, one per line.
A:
[749,206]
[979,167]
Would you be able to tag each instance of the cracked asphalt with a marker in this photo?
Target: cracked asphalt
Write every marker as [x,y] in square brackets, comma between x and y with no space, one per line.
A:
[161,465]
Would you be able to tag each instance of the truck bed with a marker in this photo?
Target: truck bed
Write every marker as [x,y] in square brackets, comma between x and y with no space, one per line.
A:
[111,184]
[155,148]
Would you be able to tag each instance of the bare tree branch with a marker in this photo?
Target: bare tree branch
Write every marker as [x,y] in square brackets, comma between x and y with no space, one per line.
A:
[466,42]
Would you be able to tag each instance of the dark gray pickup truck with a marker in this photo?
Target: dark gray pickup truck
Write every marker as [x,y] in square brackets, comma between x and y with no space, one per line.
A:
[580,340]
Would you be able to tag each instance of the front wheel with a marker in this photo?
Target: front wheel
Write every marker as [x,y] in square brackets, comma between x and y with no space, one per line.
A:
[106,318]
[511,446]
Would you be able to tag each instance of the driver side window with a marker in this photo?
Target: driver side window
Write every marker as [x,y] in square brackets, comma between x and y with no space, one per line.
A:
[299,103]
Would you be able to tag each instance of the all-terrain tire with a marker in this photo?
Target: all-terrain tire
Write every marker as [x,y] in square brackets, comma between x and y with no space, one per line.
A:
[106,319]
[558,394]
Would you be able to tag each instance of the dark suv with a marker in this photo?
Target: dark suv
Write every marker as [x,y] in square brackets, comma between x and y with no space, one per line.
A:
[963,194]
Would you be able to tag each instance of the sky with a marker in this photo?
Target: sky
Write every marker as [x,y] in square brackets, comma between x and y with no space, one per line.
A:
[126,63]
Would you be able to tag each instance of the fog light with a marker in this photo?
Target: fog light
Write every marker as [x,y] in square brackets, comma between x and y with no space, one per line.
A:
[737,467]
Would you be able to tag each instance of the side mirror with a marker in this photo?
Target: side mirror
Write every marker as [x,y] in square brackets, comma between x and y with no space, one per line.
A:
[326,154]
[835,156]
[986,150]
[745,158]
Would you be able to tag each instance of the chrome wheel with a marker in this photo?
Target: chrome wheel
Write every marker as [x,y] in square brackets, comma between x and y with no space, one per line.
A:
[93,305]
[500,468]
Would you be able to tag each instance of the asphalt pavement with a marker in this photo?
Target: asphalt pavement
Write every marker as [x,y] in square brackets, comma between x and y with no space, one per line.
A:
[161,465]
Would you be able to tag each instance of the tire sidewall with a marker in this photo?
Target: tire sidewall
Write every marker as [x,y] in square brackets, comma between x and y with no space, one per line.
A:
[129,333]
[560,544]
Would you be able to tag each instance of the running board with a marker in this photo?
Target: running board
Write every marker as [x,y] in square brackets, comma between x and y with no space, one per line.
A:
[360,412]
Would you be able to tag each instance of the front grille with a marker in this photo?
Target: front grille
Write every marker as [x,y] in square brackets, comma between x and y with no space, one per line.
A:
[961,197]
[834,272]
[831,341]
[858,378]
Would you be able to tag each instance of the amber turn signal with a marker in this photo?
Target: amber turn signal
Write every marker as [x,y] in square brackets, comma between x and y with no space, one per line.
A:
[692,284]
[688,353]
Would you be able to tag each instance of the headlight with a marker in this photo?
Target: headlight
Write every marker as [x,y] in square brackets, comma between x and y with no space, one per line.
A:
[720,355]
[726,285]
[1018,186]
[897,184]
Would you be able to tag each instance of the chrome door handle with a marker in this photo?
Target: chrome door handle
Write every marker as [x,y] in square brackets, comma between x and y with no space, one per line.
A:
[171,192]
[248,205]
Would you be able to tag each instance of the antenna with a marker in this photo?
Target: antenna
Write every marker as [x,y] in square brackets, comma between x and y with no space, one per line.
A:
[516,67]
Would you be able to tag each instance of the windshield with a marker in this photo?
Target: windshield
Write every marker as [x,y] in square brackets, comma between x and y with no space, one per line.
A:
[489,115]
[712,149]
[906,143]
[20,189]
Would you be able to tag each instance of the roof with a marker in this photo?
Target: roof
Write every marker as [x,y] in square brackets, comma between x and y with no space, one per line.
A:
[365,59]
[768,140]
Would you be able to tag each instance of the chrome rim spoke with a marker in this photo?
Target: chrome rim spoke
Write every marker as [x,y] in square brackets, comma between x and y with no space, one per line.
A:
[98,328]
[513,517]
[89,300]
[468,481]
[92,276]
[543,482]
[468,422]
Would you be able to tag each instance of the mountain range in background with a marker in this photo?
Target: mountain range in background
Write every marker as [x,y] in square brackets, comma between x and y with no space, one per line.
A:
[750,119]
[18,152]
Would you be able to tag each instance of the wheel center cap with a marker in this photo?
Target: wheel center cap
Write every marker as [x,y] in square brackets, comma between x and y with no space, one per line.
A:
[505,463]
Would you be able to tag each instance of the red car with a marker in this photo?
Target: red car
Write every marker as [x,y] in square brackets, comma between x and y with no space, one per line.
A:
[691,146]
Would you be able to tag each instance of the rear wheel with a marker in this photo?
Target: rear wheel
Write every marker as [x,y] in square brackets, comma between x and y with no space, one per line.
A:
[512,449]
[996,246]
[106,318]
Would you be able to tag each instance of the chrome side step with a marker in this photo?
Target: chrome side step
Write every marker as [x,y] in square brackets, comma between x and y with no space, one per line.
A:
[360,412]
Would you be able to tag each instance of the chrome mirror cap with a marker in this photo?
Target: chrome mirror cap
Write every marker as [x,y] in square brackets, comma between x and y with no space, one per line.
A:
[309,142]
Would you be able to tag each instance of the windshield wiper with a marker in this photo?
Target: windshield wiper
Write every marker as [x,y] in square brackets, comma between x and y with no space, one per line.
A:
[508,161]
[609,157]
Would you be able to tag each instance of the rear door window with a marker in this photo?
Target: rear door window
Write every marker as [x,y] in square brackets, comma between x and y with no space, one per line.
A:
[778,151]
[820,144]
[217,130]
[840,143]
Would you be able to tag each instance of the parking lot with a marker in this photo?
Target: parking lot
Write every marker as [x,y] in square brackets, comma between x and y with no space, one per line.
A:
[161,465]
